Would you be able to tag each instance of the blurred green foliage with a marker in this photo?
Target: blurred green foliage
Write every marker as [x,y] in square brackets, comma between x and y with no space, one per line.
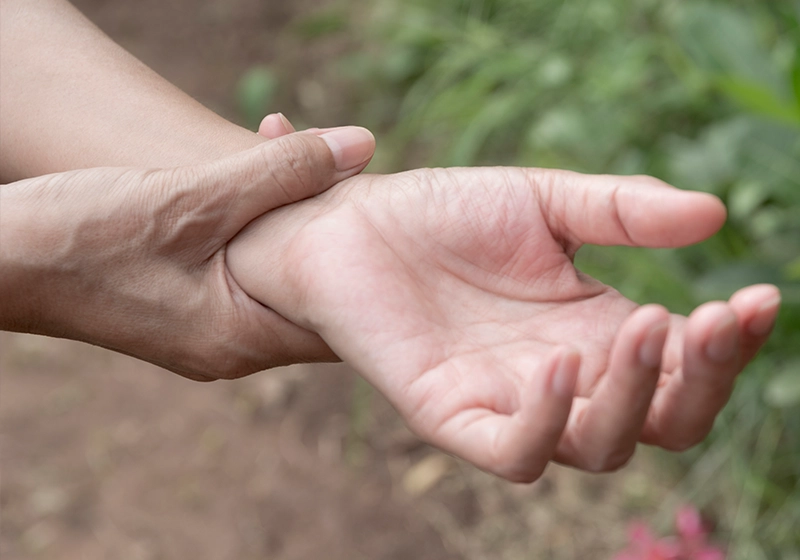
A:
[254,94]
[705,95]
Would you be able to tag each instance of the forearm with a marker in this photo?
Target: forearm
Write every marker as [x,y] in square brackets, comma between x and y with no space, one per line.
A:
[71,98]
[133,259]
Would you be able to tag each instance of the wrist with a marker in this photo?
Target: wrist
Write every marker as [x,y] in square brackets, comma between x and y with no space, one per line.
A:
[44,281]
[267,259]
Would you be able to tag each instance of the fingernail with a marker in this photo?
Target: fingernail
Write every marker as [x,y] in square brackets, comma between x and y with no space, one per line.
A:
[351,146]
[566,375]
[722,345]
[763,321]
[652,347]
[286,123]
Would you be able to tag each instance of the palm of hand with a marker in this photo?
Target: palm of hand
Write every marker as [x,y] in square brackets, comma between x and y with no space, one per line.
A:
[454,293]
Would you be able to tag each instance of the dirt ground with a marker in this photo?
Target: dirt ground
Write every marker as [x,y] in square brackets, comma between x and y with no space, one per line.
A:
[105,457]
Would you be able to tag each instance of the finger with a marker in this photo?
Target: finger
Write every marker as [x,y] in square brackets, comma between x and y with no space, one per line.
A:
[518,447]
[684,408]
[238,189]
[275,125]
[603,430]
[319,131]
[635,211]
[673,349]
[756,309]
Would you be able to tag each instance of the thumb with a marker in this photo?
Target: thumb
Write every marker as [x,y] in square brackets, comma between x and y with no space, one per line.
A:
[244,186]
[637,211]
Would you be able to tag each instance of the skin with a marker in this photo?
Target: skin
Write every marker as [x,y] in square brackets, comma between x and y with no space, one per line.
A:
[71,100]
[134,259]
[452,291]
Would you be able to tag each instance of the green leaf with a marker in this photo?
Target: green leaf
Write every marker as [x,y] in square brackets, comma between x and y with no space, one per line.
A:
[744,198]
[254,94]
[796,78]
[792,270]
[714,159]
[759,99]
[783,390]
[498,110]
[725,40]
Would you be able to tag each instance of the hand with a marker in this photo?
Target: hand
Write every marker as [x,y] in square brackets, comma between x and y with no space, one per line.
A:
[454,293]
[134,259]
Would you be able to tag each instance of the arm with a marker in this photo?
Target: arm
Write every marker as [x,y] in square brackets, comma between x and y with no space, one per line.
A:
[71,98]
[133,259]
[87,255]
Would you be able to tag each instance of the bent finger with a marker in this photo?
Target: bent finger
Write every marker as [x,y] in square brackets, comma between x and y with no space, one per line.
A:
[519,446]
[604,429]
[756,308]
[685,407]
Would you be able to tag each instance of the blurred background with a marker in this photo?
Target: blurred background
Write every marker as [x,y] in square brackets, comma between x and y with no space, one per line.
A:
[107,457]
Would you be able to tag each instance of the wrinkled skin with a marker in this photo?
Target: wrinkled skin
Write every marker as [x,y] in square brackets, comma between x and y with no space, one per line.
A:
[134,259]
[454,293]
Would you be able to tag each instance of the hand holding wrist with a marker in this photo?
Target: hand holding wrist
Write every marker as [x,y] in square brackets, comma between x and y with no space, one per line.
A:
[135,259]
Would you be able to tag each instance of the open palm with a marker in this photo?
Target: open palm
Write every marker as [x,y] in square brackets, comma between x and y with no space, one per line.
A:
[454,293]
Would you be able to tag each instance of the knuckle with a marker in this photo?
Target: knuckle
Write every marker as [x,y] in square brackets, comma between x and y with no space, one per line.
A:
[299,165]
[649,180]
[544,181]
[614,204]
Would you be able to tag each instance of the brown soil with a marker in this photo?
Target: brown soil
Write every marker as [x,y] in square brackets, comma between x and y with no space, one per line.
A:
[107,457]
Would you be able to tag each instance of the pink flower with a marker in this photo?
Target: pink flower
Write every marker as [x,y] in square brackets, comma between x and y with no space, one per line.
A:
[689,524]
[689,544]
